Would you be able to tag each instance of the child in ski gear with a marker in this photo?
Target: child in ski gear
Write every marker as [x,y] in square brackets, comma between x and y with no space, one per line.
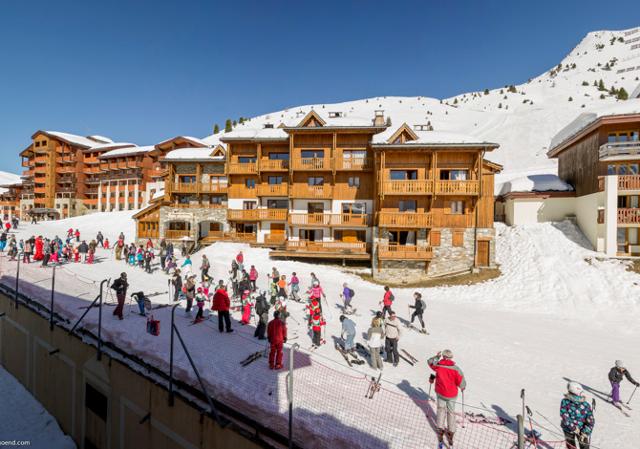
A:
[262,310]
[294,282]
[387,301]
[313,308]
[282,286]
[253,277]
[246,308]
[200,300]
[277,336]
[316,326]
[222,304]
[347,296]
[392,334]
[418,309]
[316,292]
[375,334]
[120,285]
[449,378]
[190,292]
[616,375]
[577,419]
[348,332]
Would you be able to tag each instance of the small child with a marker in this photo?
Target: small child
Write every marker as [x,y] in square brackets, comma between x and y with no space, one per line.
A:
[201,297]
[105,244]
[90,257]
[246,308]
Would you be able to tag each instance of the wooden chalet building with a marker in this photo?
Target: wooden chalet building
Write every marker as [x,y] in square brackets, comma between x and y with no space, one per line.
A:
[10,194]
[599,155]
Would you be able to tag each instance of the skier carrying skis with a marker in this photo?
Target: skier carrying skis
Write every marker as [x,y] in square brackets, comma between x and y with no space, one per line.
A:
[387,301]
[616,375]
[347,296]
[577,419]
[418,309]
[222,304]
[348,333]
[449,378]
[277,336]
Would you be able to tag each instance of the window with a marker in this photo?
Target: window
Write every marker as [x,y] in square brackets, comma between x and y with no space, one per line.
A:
[453,175]
[402,175]
[315,208]
[351,236]
[97,402]
[402,237]
[249,205]
[274,180]
[611,169]
[187,179]
[623,136]
[457,207]
[215,200]
[434,238]
[37,144]
[312,235]
[315,181]
[279,156]
[457,238]
[246,159]
[633,169]
[308,154]
[354,181]
[353,158]
[622,170]
[354,208]
[632,236]
[621,237]
[407,205]
[277,204]
[250,183]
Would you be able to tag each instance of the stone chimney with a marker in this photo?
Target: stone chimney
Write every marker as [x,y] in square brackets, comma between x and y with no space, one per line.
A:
[378,120]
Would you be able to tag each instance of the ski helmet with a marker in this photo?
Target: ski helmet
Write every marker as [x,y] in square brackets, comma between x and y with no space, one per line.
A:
[575,388]
[619,364]
[447,354]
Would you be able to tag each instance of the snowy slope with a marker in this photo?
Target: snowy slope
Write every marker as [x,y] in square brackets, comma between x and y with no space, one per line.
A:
[558,311]
[23,418]
[522,119]
[7,178]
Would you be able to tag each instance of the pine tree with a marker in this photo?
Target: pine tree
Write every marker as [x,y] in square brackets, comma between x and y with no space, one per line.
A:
[235,123]
[584,83]
[601,85]
[622,94]
[227,125]
[486,91]
[455,101]
[216,129]
[241,121]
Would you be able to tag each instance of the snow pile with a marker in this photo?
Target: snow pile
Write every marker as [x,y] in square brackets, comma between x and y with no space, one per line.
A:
[23,418]
[533,183]
[7,178]
[193,154]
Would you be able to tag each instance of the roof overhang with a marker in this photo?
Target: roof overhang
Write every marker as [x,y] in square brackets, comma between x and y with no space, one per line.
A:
[487,146]
[332,129]
[537,195]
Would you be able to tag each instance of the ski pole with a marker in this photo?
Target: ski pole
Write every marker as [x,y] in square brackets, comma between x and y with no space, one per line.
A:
[464,415]
[533,434]
[632,393]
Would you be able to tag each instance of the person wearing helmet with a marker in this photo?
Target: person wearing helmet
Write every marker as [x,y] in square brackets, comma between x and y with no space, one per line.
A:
[277,336]
[120,285]
[201,297]
[576,417]
[616,374]
[449,378]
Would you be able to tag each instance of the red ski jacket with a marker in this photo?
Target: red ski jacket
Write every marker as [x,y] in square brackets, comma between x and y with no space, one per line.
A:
[448,377]
[221,301]
[387,299]
[277,331]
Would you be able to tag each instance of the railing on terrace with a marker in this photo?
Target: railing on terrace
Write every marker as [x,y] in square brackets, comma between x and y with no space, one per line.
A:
[629,182]
[354,164]
[177,233]
[307,191]
[405,219]
[274,239]
[195,205]
[311,163]
[236,167]
[631,149]
[321,219]
[458,187]
[404,252]
[335,246]
[629,216]
[273,189]
[257,214]
[215,236]
[241,191]
[267,164]
[408,187]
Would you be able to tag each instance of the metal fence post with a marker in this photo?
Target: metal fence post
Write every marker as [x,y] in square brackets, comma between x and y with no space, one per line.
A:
[292,351]
[17,279]
[520,432]
[173,314]
[100,320]
[53,292]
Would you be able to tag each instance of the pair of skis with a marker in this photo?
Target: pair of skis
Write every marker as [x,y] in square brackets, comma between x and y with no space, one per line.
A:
[251,358]
[346,354]
[482,419]
[374,386]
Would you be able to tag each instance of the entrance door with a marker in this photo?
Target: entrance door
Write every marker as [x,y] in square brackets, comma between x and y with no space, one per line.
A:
[483,253]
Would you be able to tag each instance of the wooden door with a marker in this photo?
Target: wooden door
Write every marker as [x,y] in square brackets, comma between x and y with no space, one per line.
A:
[483,253]
[277,229]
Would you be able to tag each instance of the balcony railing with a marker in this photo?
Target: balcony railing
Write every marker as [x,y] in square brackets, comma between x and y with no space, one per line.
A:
[457,187]
[273,189]
[241,191]
[257,214]
[631,149]
[320,219]
[354,164]
[215,236]
[404,252]
[181,187]
[307,191]
[408,187]
[311,163]
[629,216]
[177,234]
[236,167]
[267,164]
[335,246]
[405,219]
[196,205]
[629,182]
[275,239]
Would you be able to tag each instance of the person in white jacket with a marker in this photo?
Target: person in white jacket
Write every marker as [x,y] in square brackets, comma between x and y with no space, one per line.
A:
[375,335]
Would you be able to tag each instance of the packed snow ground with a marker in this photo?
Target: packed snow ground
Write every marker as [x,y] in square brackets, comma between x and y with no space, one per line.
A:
[23,418]
[557,312]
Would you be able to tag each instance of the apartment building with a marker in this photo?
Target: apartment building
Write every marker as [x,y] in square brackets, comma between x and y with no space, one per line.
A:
[10,193]
[599,155]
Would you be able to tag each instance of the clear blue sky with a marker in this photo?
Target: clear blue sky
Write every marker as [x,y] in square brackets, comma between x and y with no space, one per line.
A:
[142,71]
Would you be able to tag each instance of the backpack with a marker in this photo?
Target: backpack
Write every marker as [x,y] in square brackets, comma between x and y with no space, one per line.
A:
[351,293]
[391,297]
[423,304]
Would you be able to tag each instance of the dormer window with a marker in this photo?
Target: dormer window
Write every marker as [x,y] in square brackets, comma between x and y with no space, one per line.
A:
[336,114]
[421,127]
[268,126]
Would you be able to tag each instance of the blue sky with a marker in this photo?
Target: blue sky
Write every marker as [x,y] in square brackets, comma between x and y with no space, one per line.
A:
[142,71]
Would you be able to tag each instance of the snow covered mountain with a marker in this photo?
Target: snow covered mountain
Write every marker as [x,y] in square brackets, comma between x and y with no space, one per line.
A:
[521,118]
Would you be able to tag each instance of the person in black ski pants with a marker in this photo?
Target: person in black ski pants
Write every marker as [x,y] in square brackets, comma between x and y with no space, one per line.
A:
[418,309]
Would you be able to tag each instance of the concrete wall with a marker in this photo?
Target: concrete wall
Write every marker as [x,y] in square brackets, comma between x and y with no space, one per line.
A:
[587,216]
[519,211]
[59,382]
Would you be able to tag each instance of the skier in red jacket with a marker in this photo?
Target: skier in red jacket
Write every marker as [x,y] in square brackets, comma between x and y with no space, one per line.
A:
[277,336]
[448,379]
[221,303]
[387,301]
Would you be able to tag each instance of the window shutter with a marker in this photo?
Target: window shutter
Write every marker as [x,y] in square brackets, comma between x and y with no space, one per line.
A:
[435,238]
[457,238]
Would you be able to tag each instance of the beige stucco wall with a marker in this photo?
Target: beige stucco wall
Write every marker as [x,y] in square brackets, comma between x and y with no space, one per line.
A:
[587,216]
[520,211]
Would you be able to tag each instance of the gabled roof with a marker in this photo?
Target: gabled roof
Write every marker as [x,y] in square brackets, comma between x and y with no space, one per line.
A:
[216,154]
[311,117]
[127,151]
[404,129]
[194,141]
[74,139]
[431,139]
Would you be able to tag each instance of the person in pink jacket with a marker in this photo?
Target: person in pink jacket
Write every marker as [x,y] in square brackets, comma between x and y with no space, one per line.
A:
[253,277]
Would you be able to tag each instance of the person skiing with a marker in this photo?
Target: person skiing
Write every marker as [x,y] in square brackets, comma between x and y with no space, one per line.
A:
[277,336]
[348,333]
[163,254]
[418,310]
[576,418]
[100,239]
[200,300]
[246,308]
[262,310]
[449,378]
[616,374]
[347,296]
[316,292]
[204,268]
[275,275]
[176,281]
[387,301]
[187,264]
[294,282]
[313,308]
[282,286]
[392,335]
[253,277]
[190,292]
[120,285]
[222,304]
[316,326]
[375,334]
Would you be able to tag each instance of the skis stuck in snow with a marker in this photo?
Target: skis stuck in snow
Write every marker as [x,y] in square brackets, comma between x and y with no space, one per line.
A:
[374,386]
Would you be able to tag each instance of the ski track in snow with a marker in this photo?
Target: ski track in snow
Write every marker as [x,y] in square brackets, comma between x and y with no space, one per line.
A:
[557,311]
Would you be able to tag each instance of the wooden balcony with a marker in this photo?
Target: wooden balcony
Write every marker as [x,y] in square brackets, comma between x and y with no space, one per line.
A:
[239,168]
[320,219]
[311,164]
[404,252]
[615,150]
[176,234]
[408,187]
[217,236]
[265,189]
[629,216]
[307,191]
[405,219]
[267,164]
[257,214]
[198,188]
[629,182]
[354,164]
[331,247]
[241,191]
[457,187]
[67,169]
[40,159]
[274,239]
[195,205]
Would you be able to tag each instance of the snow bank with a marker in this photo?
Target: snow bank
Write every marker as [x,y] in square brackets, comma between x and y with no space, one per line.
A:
[533,183]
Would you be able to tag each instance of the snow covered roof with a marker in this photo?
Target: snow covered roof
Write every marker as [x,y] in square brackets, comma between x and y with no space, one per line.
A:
[584,120]
[72,139]
[128,151]
[212,140]
[192,154]
[189,138]
[431,138]
[110,146]
[8,179]
[246,133]
[102,139]
[533,183]
[335,119]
